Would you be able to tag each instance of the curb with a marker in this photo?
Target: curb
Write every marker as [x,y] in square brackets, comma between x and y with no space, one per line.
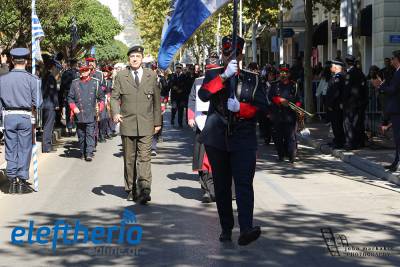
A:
[349,157]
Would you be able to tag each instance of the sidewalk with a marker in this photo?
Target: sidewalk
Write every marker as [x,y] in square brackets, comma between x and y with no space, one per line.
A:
[371,159]
[3,164]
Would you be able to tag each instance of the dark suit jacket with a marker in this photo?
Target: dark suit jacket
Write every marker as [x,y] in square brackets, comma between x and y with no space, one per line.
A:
[392,92]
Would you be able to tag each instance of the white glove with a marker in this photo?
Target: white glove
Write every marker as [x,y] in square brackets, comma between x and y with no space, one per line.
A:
[231,70]
[233,105]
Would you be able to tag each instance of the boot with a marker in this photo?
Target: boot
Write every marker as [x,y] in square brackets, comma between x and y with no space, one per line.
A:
[13,189]
[23,187]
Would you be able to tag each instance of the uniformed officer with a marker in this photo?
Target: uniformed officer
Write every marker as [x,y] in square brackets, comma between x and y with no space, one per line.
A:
[334,103]
[355,101]
[283,117]
[136,104]
[94,72]
[178,84]
[67,77]
[108,123]
[19,95]
[229,136]
[392,106]
[83,98]
[50,104]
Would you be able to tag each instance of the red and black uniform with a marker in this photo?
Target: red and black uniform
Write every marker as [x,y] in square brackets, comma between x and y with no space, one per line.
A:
[284,118]
[232,153]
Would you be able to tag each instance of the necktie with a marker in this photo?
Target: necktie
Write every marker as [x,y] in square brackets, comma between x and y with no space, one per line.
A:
[136,78]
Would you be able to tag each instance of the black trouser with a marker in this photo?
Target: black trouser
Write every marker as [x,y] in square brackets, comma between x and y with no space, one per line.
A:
[336,119]
[241,166]
[285,138]
[354,127]
[49,117]
[177,105]
[395,120]
[264,124]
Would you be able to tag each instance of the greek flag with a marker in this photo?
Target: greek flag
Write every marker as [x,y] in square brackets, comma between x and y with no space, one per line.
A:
[186,19]
[37,35]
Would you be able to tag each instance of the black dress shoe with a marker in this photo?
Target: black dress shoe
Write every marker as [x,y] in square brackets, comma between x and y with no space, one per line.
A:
[249,236]
[225,236]
[107,137]
[13,189]
[391,166]
[102,140]
[130,196]
[23,187]
[144,197]
[89,159]
[206,198]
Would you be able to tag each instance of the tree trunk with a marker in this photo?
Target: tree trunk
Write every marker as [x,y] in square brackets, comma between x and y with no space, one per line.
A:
[254,40]
[308,98]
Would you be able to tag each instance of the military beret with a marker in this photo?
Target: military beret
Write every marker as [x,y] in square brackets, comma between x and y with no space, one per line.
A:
[227,45]
[84,68]
[350,58]
[20,53]
[396,53]
[136,49]
[90,59]
[338,63]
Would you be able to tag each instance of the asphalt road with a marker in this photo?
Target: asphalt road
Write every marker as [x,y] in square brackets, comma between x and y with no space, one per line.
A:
[292,204]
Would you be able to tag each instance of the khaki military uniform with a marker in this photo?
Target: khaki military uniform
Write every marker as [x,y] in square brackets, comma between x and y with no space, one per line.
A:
[140,107]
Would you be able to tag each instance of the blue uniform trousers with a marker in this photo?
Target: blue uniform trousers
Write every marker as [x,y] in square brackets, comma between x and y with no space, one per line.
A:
[86,132]
[18,141]
[241,166]
[395,120]
[49,117]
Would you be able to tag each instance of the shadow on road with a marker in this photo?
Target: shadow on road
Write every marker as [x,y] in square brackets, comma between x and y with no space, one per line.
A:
[71,150]
[105,190]
[187,236]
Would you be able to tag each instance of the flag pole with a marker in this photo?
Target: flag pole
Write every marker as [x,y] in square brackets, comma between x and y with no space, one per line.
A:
[34,145]
[234,80]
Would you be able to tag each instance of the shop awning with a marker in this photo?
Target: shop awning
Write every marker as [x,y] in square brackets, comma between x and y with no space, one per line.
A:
[366,21]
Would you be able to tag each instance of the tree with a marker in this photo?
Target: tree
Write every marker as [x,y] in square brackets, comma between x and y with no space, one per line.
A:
[309,6]
[112,51]
[96,25]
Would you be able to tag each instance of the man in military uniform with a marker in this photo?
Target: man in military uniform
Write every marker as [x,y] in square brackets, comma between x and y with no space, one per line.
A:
[67,77]
[392,108]
[229,136]
[355,101]
[138,92]
[179,96]
[50,104]
[19,95]
[283,117]
[83,99]
[94,72]
[334,103]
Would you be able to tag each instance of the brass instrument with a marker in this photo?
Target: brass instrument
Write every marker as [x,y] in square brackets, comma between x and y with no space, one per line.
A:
[300,112]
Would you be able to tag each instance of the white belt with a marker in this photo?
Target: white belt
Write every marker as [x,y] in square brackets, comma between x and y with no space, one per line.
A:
[17,112]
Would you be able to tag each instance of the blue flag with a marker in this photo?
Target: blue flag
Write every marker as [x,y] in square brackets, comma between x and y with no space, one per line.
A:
[188,16]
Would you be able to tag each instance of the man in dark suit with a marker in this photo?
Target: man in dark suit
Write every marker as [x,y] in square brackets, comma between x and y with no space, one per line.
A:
[178,84]
[392,107]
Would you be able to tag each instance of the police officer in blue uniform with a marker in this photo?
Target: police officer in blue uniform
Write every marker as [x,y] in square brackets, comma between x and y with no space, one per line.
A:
[334,103]
[391,88]
[230,141]
[50,104]
[20,95]
[283,117]
[84,95]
